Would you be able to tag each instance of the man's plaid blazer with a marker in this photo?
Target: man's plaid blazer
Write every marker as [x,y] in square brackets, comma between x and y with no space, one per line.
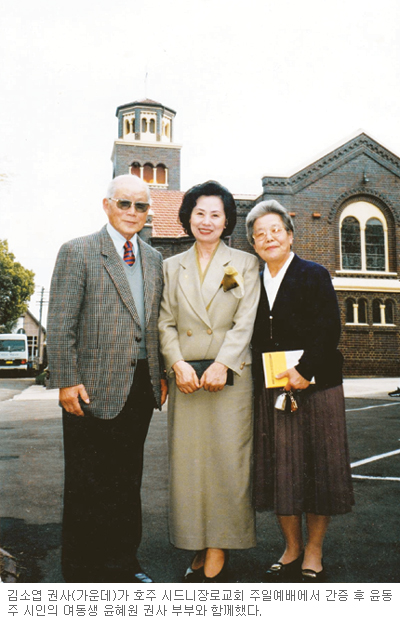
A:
[93,326]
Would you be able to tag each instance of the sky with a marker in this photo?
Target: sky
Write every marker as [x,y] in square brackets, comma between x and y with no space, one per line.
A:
[259,87]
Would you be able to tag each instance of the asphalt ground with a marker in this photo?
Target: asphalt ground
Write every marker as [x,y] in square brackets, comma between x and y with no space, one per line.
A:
[360,547]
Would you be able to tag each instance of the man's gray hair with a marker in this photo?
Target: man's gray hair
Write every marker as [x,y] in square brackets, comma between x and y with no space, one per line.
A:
[113,185]
[263,208]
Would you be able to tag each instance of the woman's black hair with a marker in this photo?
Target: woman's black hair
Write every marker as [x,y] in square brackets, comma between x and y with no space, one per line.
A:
[208,189]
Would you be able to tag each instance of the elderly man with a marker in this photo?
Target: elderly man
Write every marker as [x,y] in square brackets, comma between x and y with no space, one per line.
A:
[103,354]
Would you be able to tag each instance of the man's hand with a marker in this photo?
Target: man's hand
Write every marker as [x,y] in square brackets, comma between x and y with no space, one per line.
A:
[186,377]
[296,381]
[69,398]
[164,391]
[214,378]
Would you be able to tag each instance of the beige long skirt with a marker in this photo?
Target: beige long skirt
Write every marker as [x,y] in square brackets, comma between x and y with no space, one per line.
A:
[210,451]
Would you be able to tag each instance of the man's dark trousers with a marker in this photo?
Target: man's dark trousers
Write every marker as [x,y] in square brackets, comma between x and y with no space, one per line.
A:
[102,523]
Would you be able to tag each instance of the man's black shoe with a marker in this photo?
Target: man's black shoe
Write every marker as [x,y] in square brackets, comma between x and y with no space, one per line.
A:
[142,577]
[395,394]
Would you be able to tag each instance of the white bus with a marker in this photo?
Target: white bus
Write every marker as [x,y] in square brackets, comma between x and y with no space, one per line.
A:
[13,351]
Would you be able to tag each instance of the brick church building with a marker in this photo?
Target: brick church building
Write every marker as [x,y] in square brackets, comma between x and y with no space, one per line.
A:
[346,211]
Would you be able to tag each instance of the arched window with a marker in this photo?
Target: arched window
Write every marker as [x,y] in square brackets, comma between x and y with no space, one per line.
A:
[161,174]
[362,311]
[127,127]
[133,124]
[351,244]
[356,311]
[148,173]
[363,238]
[144,125]
[350,311]
[152,126]
[135,169]
[389,312]
[376,311]
[375,245]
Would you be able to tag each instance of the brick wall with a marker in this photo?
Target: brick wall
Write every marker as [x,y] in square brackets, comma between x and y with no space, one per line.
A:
[125,154]
[370,349]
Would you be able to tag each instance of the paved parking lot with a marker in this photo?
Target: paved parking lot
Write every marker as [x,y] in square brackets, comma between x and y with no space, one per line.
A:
[363,546]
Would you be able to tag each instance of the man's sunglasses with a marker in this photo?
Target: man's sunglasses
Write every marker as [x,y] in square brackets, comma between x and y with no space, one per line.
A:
[125,204]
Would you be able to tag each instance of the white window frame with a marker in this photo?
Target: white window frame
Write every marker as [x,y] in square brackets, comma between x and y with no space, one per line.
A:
[382,307]
[355,312]
[363,211]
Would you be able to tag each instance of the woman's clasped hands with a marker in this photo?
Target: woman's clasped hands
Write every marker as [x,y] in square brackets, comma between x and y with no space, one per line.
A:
[212,380]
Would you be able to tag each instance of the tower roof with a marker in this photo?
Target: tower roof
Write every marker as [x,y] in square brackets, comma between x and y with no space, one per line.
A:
[148,103]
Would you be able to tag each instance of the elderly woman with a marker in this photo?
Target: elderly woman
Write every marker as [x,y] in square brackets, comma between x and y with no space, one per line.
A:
[301,456]
[207,314]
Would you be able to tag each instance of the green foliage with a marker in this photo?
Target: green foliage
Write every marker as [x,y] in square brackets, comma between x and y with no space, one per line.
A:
[16,288]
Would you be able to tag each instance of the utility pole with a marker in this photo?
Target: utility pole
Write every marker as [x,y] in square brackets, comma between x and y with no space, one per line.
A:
[40,326]
[39,343]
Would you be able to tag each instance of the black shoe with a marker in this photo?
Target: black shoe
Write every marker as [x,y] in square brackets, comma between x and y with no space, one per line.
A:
[142,578]
[222,576]
[395,394]
[194,575]
[308,575]
[283,573]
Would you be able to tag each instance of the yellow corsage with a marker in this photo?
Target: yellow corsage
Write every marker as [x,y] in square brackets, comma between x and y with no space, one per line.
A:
[231,280]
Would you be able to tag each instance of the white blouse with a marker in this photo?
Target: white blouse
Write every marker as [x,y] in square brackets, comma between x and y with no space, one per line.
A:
[272,284]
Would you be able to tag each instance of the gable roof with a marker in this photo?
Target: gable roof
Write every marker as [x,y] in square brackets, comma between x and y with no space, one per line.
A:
[360,144]
[35,320]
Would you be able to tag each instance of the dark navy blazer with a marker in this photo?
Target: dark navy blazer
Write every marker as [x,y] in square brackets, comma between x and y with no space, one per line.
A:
[305,316]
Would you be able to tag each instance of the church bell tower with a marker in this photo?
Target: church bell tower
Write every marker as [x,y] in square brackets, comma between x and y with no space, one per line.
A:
[145,145]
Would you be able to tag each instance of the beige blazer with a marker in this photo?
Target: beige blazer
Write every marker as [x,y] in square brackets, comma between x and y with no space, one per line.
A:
[201,321]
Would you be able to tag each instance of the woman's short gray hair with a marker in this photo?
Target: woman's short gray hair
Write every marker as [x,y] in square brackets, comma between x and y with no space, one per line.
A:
[263,208]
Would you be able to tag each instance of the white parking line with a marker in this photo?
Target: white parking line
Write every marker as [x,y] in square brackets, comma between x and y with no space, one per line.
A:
[374,458]
[388,404]
[375,477]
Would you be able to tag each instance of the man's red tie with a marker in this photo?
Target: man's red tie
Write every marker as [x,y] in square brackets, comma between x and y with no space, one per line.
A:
[129,256]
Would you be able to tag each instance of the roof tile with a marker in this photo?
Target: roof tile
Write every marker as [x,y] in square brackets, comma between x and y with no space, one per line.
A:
[165,206]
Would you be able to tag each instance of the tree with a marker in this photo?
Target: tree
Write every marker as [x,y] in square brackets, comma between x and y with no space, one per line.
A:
[16,288]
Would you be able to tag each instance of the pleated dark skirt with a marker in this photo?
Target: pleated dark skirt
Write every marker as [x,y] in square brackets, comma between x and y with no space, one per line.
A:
[302,459]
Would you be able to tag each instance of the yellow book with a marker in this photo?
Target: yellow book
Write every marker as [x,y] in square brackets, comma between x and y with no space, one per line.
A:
[275,363]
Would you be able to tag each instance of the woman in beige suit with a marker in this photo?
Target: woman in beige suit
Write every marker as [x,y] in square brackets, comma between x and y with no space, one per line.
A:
[206,322]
